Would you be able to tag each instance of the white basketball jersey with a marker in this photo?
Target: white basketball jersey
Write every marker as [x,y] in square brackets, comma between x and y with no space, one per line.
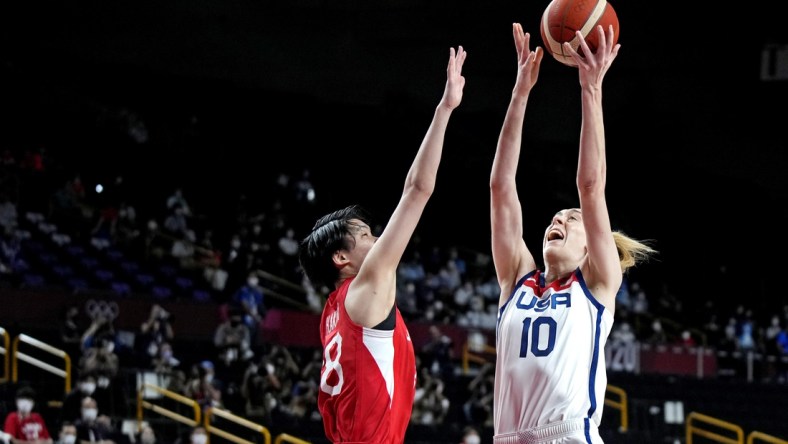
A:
[550,363]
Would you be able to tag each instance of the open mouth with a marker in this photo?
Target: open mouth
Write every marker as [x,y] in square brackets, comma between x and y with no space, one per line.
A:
[554,235]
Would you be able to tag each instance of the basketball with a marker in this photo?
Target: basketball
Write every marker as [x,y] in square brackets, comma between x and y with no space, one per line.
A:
[562,18]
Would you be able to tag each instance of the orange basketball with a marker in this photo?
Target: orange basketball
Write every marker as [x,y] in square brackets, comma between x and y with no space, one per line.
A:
[562,18]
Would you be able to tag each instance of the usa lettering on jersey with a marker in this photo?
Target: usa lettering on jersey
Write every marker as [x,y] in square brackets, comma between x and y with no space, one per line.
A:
[539,305]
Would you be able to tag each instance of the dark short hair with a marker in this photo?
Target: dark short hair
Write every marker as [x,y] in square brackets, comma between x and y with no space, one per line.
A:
[330,234]
[25,392]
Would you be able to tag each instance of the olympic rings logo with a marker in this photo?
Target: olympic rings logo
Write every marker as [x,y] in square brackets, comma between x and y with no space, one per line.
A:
[102,309]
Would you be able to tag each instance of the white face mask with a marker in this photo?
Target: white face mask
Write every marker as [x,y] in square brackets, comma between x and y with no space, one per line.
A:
[88,387]
[69,439]
[103,382]
[24,405]
[89,414]
[199,438]
[472,440]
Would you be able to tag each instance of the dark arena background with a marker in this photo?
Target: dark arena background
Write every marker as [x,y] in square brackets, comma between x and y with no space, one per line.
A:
[155,155]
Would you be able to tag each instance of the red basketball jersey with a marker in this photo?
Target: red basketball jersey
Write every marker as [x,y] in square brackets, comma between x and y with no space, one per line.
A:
[368,379]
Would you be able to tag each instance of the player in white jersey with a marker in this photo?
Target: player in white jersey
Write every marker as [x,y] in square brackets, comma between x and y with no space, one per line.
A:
[550,375]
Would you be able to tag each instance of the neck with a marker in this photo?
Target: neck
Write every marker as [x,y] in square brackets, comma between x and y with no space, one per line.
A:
[555,273]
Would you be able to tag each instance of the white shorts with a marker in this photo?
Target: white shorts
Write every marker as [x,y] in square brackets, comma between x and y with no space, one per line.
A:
[565,432]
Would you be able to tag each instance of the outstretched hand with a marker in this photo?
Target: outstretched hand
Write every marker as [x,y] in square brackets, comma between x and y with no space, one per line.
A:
[455,82]
[528,62]
[594,65]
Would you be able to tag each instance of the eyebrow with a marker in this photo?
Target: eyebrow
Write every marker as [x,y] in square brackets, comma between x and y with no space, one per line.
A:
[572,210]
[356,227]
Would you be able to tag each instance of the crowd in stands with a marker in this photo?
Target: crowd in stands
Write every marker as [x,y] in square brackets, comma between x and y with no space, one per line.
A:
[441,285]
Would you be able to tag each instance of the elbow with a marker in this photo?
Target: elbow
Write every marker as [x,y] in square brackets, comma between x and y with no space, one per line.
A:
[590,186]
[496,185]
[420,188]
[500,182]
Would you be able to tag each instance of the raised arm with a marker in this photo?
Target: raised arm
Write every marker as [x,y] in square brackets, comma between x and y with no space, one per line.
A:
[602,270]
[372,294]
[511,257]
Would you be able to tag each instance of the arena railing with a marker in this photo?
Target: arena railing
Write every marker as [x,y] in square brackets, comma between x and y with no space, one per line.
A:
[6,353]
[621,405]
[17,356]
[206,420]
[284,437]
[143,404]
[212,429]
[692,429]
[756,436]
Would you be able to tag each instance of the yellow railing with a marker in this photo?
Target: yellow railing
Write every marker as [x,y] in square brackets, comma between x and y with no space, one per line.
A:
[692,429]
[172,414]
[64,373]
[212,429]
[468,356]
[753,436]
[284,437]
[620,405]
[4,349]
[207,419]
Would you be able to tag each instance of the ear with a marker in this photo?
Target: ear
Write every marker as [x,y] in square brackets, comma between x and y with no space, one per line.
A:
[340,258]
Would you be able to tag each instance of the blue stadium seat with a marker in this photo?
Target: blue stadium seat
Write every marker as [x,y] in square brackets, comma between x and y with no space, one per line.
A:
[144,279]
[104,275]
[76,284]
[33,280]
[201,295]
[89,262]
[121,288]
[161,292]
[63,271]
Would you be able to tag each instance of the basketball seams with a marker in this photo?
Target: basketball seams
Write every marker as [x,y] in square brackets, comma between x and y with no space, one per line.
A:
[562,17]
[591,22]
[553,45]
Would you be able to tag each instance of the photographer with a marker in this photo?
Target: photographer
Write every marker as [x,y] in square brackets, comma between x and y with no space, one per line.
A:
[154,331]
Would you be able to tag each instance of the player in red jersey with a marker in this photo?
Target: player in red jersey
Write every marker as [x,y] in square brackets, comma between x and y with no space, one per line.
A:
[368,378]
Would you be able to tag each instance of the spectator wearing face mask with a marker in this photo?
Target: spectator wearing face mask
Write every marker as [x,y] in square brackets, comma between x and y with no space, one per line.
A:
[202,387]
[198,435]
[470,436]
[232,339]
[24,425]
[248,299]
[72,403]
[101,358]
[147,435]
[95,428]
[68,433]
